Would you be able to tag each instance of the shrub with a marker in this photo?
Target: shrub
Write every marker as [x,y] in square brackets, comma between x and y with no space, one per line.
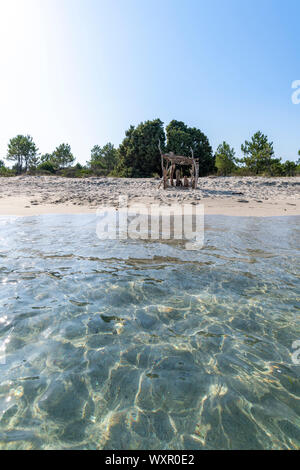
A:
[5,172]
[46,166]
[243,171]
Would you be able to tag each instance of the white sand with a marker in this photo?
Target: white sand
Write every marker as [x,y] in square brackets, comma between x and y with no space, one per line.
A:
[247,196]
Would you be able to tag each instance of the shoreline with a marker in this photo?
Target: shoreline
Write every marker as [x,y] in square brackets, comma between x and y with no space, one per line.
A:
[232,196]
[16,209]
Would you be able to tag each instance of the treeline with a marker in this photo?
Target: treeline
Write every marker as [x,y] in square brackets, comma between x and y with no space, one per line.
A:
[258,159]
[138,155]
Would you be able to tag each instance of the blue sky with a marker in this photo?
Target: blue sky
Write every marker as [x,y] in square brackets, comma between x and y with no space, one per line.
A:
[83,71]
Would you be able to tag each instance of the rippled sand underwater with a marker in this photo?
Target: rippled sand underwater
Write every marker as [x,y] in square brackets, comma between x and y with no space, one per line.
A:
[141,345]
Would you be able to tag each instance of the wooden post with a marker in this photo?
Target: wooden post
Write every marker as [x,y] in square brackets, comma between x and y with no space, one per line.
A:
[165,178]
[172,175]
[178,180]
[193,176]
[163,175]
[197,175]
[195,171]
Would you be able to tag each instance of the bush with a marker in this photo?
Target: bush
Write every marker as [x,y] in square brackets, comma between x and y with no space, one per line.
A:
[46,166]
[122,172]
[7,172]
[40,173]
[243,172]
[75,172]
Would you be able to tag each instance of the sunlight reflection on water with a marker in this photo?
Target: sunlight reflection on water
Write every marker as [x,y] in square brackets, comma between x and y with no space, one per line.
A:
[145,345]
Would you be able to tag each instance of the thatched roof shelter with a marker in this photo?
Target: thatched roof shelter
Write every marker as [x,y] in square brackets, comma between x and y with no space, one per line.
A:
[178,159]
[172,161]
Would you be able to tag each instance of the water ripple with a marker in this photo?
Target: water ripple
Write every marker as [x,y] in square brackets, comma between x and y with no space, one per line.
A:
[144,345]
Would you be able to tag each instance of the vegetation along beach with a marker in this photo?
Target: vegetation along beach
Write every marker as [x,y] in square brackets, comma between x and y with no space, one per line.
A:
[257,183]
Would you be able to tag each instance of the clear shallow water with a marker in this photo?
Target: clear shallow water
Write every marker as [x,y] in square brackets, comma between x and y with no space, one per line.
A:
[139,345]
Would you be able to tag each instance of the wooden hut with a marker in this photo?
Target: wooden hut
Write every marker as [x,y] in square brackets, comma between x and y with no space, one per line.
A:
[169,162]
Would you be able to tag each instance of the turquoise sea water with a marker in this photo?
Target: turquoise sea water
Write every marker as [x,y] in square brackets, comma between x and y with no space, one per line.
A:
[143,345]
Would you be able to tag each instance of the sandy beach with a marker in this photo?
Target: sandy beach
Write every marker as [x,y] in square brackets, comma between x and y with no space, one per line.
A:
[235,196]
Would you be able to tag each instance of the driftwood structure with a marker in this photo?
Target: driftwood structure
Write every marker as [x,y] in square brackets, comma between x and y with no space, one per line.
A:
[169,162]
